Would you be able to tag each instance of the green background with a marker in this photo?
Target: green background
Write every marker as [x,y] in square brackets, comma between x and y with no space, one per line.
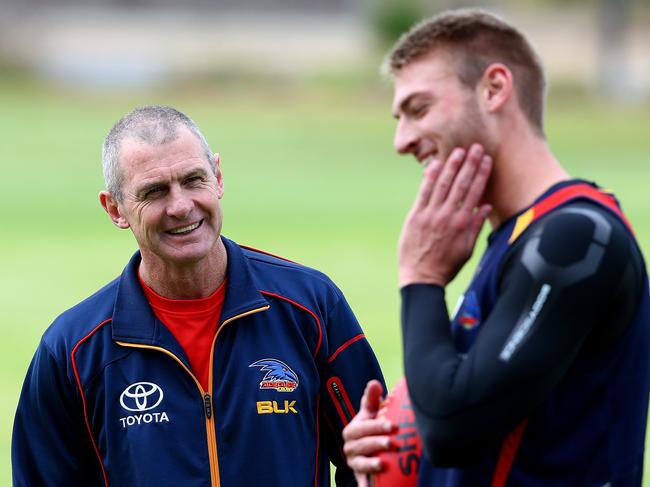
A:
[309,172]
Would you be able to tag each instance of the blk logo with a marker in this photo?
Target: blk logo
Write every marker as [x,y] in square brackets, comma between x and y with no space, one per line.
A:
[141,396]
[271,407]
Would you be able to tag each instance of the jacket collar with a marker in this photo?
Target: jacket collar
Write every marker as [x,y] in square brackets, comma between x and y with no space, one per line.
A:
[135,322]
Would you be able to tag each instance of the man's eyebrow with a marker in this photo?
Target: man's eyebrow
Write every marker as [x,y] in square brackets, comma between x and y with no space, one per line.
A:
[406,102]
[199,171]
[146,187]
[162,183]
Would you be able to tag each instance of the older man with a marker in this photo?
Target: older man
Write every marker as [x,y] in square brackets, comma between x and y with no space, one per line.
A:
[204,363]
[541,377]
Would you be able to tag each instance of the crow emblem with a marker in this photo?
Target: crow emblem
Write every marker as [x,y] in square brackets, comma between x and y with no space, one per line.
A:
[279,375]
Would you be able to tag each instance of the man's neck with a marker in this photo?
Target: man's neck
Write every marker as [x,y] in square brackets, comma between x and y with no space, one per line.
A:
[524,169]
[191,281]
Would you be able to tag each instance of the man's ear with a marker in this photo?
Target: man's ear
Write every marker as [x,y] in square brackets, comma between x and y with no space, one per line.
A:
[218,173]
[496,87]
[110,205]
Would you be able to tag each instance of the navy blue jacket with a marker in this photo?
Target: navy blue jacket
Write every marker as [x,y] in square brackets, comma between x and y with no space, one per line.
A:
[110,398]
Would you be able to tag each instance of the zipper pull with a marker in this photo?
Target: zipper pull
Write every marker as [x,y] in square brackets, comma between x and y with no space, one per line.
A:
[339,396]
[207,405]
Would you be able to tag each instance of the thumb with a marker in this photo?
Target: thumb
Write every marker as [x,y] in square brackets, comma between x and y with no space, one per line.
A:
[371,400]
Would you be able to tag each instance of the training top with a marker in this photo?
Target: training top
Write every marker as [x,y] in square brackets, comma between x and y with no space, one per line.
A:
[110,398]
[542,376]
[193,322]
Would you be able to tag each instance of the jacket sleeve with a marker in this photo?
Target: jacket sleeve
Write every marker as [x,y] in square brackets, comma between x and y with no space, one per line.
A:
[349,365]
[50,444]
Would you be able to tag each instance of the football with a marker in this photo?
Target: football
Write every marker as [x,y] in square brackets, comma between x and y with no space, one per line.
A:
[400,465]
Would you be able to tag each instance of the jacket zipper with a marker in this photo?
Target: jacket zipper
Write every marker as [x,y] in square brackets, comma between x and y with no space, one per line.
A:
[208,408]
[336,389]
[207,398]
[207,405]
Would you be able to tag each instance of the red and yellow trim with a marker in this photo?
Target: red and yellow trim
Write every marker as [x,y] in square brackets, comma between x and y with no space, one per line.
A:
[562,196]
[209,421]
[512,442]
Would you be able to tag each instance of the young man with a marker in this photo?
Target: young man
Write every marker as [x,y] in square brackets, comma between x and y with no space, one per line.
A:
[204,363]
[541,377]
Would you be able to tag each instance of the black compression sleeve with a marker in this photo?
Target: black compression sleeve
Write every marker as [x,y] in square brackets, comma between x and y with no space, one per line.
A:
[569,286]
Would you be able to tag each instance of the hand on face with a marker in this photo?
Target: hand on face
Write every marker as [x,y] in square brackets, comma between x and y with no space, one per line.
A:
[366,435]
[441,229]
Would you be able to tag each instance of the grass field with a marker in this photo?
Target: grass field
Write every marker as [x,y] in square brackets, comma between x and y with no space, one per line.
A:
[309,174]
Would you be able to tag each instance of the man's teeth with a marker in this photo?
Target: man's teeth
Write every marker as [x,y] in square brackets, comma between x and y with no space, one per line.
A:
[188,228]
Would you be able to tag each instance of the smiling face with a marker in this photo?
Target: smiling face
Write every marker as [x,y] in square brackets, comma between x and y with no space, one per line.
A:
[435,111]
[171,200]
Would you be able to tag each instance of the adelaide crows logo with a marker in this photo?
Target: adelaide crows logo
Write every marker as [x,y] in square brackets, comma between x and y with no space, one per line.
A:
[469,314]
[279,375]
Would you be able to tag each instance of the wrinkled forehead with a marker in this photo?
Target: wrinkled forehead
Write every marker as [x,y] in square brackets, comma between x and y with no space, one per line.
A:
[153,138]
[153,133]
[185,149]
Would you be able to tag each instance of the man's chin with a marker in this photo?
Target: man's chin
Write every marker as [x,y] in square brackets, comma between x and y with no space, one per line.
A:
[184,257]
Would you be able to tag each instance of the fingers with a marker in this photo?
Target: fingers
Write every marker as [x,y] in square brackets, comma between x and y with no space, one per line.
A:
[366,423]
[445,180]
[361,452]
[478,219]
[367,435]
[428,182]
[360,428]
[466,177]
[364,465]
[479,182]
[459,181]
[366,446]
[371,399]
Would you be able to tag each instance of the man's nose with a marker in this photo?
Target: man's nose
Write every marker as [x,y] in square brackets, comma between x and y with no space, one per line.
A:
[405,140]
[180,204]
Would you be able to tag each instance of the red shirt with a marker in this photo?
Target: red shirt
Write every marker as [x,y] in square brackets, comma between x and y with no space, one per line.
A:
[193,322]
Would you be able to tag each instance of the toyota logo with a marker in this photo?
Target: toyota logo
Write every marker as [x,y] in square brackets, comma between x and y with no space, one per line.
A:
[141,396]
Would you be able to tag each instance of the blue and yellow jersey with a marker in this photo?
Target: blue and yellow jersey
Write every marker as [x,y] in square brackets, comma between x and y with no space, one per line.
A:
[585,424]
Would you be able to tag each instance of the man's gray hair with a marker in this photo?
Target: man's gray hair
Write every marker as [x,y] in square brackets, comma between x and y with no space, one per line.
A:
[153,124]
